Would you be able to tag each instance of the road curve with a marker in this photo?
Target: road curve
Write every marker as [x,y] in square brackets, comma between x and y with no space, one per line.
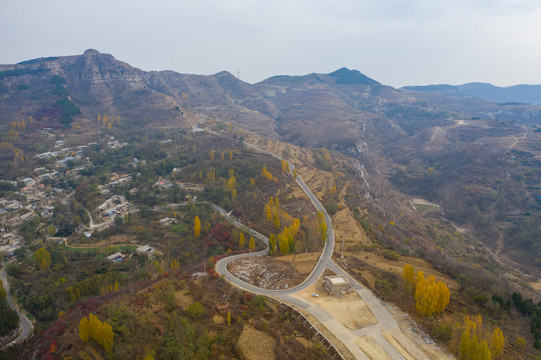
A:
[323,262]
[26,325]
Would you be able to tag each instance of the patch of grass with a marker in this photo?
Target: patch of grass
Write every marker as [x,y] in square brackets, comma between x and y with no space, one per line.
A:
[95,250]
[391,255]
[422,207]
[442,332]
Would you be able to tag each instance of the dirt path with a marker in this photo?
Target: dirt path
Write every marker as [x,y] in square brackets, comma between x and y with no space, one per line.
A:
[96,245]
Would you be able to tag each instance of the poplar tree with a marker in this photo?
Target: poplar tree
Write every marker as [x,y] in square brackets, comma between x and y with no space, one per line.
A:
[241,240]
[474,341]
[92,328]
[196,227]
[276,221]
[409,278]
[272,244]
[42,258]
[268,212]
[431,297]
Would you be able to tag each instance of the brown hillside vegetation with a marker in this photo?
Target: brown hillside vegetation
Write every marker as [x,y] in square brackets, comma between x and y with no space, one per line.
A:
[157,318]
[256,345]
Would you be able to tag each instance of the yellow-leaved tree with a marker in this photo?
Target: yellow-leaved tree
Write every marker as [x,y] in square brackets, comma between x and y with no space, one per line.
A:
[241,240]
[268,212]
[276,221]
[92,328]
[431,297]
[477,343]
[409,279]
[272,244]
[196,227]
[42,258]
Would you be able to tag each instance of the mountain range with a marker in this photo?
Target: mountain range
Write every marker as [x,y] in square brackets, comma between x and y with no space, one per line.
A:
[473,149]
[520,94]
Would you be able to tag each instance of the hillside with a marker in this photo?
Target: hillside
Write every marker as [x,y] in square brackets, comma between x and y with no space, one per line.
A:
[519,94]
[404,174]
[399,134]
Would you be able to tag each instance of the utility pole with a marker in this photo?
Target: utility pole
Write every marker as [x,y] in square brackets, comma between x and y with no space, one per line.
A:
[343,243]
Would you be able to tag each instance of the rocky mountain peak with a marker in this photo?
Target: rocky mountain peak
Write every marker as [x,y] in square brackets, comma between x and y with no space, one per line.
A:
[347,76]
[91,52]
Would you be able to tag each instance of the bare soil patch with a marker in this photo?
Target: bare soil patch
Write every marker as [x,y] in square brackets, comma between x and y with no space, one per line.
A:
[536,285]
[260,272]
[304,263]
[256,345]
[371,279]
[403,346]
[183,300]
[347,230]
[274,273]
[371,348]
[218,319]
[417,339]
[350,309]
[307,344]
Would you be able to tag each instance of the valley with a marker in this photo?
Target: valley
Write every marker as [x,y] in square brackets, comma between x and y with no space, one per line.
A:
[127,193]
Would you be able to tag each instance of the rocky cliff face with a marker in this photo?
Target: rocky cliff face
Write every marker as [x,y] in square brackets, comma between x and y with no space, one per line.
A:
[474,158]
[299,108]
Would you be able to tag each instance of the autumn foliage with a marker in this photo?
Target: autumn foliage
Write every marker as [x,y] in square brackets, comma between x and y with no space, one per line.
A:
[42,258]
[92,328]
[196,227]
[478,343]
[431,296]
[266,174]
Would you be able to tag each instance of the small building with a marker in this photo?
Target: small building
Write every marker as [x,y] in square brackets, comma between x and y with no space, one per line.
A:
[118,256]
[168,221]
[336,285]
[146,250]
[8,238]
[55,240]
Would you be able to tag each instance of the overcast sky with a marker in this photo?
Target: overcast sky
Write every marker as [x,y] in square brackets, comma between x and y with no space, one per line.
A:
[396,42]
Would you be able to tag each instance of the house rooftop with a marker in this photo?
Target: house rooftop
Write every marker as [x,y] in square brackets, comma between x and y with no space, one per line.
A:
[337,280]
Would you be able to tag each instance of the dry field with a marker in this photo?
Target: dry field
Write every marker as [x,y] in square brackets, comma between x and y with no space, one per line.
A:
[256,345]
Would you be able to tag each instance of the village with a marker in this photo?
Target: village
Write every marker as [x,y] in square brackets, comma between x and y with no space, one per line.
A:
[36,196]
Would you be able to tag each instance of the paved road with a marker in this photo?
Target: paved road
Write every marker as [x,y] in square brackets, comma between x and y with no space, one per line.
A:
[386,323]
[324,259]
[26,325]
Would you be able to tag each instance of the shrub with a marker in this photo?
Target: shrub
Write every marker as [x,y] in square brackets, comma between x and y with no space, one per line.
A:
[196,310]
[390,255]
[384,286]
[520,342]
[442,332]
[480,299]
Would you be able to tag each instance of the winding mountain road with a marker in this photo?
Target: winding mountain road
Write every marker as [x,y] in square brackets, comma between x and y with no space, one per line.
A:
[26,325]
[323,262]
[379,332]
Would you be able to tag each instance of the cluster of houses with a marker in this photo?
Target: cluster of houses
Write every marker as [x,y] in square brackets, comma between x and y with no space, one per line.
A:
[115,206]
[38,200]
[36,196]
[141,250]
[63,156]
